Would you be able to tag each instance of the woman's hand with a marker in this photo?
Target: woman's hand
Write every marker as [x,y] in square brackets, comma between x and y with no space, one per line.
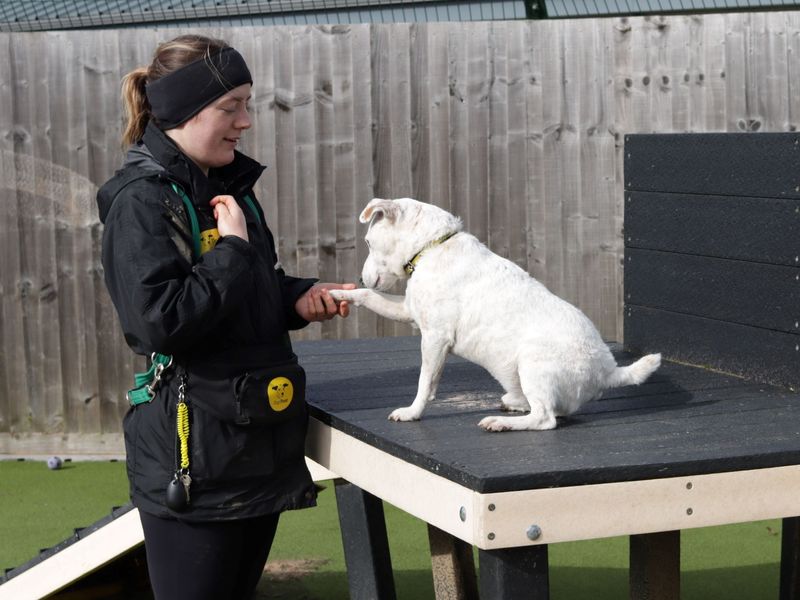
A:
[229,216]
[318,305]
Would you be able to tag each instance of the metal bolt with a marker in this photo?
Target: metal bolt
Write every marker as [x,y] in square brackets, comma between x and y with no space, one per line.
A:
[462,513]
[534,532]
[492,507]
[689,485]
[689,511]
[491,536]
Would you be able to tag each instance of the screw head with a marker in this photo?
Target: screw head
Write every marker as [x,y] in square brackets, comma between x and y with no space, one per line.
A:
[492,507]
[491,536]
[534,532]
[462,513]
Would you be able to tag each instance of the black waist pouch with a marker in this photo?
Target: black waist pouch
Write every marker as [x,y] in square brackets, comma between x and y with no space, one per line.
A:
[271,395]
[262,396]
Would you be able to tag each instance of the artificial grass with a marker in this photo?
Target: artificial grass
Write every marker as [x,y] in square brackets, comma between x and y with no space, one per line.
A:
[39,508]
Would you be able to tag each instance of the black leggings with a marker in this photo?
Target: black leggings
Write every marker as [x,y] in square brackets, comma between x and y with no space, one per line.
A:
[221,560]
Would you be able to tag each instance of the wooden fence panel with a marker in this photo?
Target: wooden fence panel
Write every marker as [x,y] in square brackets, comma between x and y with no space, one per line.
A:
[518,127]
[344,198]
[13,363]
[364,165]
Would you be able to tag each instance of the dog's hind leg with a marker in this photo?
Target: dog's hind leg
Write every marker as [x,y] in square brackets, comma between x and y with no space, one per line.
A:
[434,352]
[514,399]
[508,376]
[514,402]
[539,391]
[540,418]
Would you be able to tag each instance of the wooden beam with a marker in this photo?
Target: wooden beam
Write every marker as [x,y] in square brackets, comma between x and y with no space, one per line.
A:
[453,566]
[655,569]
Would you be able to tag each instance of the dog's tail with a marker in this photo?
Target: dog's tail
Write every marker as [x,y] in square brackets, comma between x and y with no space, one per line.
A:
[636,373]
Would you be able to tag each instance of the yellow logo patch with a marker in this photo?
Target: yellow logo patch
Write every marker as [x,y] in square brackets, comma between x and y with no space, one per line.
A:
[208,239]
[280,392]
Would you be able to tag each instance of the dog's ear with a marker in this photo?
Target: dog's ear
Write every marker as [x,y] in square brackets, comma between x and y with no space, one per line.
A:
[379,208]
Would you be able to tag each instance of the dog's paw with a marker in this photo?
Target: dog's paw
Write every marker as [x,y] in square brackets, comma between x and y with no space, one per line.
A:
[495,424]
[529,422]
[512,403]
[355,297]
[404,414]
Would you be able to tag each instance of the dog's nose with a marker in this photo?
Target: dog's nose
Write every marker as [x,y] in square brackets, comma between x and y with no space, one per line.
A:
[361,282]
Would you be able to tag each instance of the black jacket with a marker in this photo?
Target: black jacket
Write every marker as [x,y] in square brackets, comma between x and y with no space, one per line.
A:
[220,315]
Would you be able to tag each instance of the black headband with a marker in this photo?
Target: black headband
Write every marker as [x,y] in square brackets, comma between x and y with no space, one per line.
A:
[177,97]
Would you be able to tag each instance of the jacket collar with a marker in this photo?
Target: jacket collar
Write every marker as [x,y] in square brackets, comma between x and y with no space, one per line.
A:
[235,179]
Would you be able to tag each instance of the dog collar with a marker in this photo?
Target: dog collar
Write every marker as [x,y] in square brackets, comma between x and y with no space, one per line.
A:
[411,265]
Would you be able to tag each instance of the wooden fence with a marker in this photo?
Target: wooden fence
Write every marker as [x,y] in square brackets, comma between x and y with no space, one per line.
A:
[518,127]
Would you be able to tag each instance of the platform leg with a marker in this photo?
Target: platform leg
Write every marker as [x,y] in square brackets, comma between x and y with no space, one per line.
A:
[366,545]
[514,573]
[453,566]
[655,566]
[790,559]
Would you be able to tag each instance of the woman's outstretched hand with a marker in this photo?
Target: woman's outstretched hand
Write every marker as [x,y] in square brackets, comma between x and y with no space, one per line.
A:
[229,216]
[318,305]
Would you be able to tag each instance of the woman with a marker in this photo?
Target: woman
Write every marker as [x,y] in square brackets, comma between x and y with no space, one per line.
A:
[214,444]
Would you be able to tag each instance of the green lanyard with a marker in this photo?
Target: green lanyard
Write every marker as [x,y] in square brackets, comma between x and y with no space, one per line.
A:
[193,223]
[146,382]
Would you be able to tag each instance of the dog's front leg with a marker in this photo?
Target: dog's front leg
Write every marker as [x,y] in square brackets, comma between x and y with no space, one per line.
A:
[386,305]
[434,352]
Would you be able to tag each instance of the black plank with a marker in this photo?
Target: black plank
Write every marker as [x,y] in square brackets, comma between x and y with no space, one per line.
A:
[745,228]
[685,421]
[445,429]
[742,292]
[376,382]
[746,164]
[755,353]
[467,387]
[366,544]
[714,433]
[514,573]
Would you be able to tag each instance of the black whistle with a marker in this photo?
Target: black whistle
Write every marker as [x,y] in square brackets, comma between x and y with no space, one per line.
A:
[176,496]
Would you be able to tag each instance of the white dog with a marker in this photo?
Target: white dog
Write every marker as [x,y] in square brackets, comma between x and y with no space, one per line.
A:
[547,354]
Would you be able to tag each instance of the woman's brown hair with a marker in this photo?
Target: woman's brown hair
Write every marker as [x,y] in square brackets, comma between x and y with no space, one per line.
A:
[168,57]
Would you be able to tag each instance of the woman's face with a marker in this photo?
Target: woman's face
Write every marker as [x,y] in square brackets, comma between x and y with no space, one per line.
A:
[210,137]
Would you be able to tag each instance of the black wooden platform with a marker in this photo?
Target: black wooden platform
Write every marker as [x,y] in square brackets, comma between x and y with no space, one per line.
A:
[684,421]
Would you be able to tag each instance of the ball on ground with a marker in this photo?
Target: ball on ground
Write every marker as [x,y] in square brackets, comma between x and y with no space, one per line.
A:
[54,463]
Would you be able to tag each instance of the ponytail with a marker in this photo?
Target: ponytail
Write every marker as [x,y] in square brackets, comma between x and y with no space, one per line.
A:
[135,104]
